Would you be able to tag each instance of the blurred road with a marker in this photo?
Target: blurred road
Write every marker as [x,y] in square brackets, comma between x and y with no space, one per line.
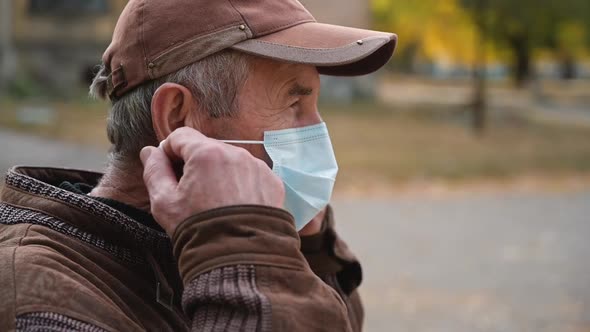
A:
[485,262]
[502,262]
[19,149]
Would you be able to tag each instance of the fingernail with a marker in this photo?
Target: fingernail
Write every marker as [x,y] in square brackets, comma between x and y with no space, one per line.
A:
[145,154]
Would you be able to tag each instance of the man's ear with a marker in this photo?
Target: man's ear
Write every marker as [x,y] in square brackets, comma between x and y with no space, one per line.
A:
[171,106]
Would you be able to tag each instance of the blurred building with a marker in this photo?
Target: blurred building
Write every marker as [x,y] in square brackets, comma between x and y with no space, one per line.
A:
[354,13]
[56,43]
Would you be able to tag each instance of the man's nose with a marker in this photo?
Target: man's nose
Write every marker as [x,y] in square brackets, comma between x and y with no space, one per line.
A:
[309,119]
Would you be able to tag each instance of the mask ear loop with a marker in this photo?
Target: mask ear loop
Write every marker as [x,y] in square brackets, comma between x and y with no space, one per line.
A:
[241,142]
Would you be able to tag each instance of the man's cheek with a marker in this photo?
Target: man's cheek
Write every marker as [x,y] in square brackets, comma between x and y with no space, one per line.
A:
[261,154]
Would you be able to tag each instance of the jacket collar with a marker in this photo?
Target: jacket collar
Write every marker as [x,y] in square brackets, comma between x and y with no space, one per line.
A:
[37,188]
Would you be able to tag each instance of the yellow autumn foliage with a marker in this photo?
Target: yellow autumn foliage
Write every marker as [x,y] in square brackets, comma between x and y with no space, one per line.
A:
[443,31]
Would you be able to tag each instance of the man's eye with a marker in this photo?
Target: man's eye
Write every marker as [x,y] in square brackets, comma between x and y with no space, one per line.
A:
[295,104]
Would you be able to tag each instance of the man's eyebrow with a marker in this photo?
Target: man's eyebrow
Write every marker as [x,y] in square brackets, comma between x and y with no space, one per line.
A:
[299,90]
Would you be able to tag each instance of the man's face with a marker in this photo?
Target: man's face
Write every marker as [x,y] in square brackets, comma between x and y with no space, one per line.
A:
[275,96]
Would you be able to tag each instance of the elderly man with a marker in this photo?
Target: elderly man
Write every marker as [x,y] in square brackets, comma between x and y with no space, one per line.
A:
[212,214]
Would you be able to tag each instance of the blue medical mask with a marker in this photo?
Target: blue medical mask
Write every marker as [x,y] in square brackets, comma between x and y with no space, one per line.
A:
[304,159]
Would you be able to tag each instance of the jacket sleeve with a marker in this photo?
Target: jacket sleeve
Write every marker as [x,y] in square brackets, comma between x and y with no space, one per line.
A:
[242,270]
[332,261]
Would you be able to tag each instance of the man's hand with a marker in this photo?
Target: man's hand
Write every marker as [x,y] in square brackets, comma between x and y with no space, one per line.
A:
[214,175]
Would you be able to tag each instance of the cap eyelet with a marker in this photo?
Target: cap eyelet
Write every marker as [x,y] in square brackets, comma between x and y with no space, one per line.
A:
[151,65]
[360,41]
[242,27]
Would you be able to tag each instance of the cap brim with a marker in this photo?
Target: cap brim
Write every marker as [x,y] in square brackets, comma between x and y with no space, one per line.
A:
[333,49]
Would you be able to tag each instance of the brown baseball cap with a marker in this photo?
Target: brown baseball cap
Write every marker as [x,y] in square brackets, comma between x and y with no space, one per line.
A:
[154,38]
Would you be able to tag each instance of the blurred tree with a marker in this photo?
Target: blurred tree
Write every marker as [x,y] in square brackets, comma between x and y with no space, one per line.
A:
[479,11]
[439,30]
[570,44]
[478,31]
[428,29]
[524,25]
[444,30]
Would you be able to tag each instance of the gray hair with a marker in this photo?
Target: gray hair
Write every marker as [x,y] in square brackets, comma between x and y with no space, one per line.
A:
[214,81]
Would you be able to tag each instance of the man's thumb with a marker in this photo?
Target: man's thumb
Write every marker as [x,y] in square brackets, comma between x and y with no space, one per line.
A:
[157,170]
[145,154]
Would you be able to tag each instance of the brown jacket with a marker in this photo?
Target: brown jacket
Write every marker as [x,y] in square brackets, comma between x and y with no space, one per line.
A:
[72,262]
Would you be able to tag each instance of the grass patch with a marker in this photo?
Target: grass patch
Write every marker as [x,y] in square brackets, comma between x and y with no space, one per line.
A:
[376,145]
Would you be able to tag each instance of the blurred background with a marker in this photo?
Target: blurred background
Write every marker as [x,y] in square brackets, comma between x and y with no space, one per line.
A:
[465,163]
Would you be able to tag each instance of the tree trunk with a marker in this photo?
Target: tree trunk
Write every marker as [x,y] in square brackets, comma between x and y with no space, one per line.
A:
[479,100]
[522,59]
[479,106]
[568,67]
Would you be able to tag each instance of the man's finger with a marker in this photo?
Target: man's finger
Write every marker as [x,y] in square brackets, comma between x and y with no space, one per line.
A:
[181,142]
[158,174]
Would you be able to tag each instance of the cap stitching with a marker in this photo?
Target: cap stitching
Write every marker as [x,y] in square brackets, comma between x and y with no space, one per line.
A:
[287,25]
[315,49]
[239,13]
[142,34]
[201,33]
[185,42]
[233,23]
